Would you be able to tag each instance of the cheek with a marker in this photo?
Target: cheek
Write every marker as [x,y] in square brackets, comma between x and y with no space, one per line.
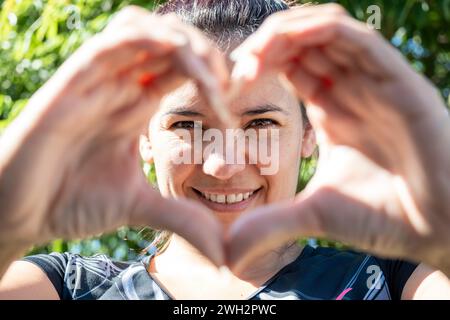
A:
[172,163]
[284,183]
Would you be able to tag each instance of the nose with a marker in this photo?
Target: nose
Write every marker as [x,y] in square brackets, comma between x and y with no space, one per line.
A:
[215,165]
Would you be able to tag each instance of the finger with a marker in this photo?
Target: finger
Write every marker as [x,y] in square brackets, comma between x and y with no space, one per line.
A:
[278,48]
[104,57]
[347,113]
[354,58]
[189,220]
[307,87]
[130,107]
[315,31]
[133,115]
[341,58]
[202,61]
[204,48]
[156,80]
[194,55]
[132,37]
[316,74]
[335,118]
[269,35]
[266,229]
[317,64]
[342,31]
[324,212]
[126,16]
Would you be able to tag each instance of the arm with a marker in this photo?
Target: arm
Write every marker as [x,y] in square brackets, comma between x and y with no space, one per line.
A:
[69,165]
[378,124]
[427,283]
[24,280]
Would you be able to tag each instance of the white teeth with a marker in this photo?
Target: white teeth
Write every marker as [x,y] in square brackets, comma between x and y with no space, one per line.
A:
[229,198]
[221,198]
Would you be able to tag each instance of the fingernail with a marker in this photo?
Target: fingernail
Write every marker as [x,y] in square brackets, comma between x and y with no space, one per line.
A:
[296,59]
[326,82]
[146,79]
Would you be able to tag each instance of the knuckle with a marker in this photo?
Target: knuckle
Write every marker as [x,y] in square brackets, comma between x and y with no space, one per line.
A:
[170,17]
[336,8]
[337,22]
[275,19]
[126,15]
[202,49]
[130,11]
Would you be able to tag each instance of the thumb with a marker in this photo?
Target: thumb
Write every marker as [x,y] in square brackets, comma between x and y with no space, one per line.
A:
[324,212]
[267,228]
[191,221]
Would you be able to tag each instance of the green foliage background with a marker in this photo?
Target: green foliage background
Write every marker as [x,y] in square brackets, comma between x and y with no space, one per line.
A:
[36,36]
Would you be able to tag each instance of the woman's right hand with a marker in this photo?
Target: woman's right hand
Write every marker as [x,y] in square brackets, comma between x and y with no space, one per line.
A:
[69,165]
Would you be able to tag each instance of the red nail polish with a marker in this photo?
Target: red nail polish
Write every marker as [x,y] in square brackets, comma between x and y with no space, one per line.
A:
[296,59]
[146,79]
[326,82]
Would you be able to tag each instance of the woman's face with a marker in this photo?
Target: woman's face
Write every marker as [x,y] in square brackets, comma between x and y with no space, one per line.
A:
[226,187]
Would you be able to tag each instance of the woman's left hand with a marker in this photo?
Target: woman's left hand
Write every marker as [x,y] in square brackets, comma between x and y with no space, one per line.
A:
[383,178]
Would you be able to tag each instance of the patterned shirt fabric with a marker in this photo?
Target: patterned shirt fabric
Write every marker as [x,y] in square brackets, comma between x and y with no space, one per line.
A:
[316,274]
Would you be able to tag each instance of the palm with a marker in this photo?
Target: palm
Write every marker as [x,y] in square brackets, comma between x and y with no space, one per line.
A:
[107,186]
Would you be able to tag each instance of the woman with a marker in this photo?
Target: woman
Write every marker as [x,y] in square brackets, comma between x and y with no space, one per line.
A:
[142,62]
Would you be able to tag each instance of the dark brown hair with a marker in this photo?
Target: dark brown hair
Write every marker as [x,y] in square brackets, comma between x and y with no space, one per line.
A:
[224,21]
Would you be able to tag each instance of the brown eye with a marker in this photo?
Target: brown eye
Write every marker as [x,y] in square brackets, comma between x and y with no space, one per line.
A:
[183,125]
[262,123]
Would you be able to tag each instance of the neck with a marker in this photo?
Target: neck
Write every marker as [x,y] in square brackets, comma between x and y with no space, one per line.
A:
[179,252]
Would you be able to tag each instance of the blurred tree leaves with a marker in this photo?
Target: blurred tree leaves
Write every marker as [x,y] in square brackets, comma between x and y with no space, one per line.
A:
[36,36]
[420,29]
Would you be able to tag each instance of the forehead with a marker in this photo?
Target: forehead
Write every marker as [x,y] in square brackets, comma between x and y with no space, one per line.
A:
[269,89]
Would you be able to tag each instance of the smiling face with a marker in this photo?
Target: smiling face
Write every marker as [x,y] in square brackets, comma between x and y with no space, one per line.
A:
[228,189]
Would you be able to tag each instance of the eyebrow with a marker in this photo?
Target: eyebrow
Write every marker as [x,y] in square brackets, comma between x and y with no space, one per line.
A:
[188,112]
[263,109]
[183,111]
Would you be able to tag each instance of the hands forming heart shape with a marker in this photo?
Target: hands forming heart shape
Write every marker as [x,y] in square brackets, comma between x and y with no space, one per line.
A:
[70,163]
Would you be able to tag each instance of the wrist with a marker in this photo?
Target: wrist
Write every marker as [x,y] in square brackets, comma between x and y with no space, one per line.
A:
[26,156]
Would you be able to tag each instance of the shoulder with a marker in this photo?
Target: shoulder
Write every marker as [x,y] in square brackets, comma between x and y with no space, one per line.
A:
[329,273]
[95,277]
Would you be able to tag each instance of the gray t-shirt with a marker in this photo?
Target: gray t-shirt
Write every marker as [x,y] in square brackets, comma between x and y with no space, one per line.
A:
[316,274]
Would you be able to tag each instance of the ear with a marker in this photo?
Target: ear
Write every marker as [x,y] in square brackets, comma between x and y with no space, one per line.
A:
[145,149]
[309,141]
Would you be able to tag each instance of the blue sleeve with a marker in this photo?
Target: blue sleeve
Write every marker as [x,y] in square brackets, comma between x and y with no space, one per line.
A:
[54,266]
